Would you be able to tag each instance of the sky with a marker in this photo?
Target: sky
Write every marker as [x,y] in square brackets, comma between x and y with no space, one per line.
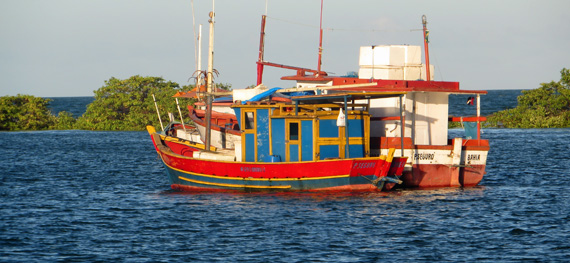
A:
[67,48]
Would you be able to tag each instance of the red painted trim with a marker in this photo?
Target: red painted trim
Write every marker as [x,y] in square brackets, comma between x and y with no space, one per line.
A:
[467,119]
[389,85]
[181,149]
[476,144]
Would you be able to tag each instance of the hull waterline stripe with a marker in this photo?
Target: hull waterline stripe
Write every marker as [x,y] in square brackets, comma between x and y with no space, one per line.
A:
[236,185]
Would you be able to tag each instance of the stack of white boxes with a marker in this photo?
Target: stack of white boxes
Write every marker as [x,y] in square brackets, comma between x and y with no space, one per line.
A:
[392,62]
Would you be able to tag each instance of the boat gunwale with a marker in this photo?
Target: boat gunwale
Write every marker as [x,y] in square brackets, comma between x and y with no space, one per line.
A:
[172,153]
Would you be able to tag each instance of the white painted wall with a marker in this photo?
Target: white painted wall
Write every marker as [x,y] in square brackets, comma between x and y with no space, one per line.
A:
[426,117]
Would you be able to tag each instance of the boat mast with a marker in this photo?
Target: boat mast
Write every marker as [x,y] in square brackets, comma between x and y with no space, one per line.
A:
[261,51]
[209,78]
[320,41]
[426,41]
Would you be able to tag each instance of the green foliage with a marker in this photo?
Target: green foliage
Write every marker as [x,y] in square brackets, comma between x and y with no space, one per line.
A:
[65,121]
[545,107]
[128,104]
[25,112]
[226,86]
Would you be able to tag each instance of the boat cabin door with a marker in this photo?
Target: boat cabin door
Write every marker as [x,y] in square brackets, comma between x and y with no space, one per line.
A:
[248,136]
[299,140]
[293,140]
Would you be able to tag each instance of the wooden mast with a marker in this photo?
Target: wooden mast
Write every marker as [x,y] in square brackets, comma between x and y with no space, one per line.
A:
[261,51]
[209,78]
[320,41]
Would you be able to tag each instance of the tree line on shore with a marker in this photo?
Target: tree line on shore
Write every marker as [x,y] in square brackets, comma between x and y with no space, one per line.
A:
[128,105]
[120,105]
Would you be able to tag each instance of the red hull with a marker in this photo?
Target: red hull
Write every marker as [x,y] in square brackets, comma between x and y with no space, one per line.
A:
[192,174]
[433,175]
[440,171]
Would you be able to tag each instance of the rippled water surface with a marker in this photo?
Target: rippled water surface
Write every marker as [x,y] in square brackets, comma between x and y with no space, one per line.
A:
[103,196]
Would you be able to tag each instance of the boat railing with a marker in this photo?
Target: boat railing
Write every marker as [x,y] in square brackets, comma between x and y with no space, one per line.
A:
[288,109]
[471,125]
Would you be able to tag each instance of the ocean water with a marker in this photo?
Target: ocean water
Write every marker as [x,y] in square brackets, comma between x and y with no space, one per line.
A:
[73,105]
[104,196]
[84,196]
[493,101]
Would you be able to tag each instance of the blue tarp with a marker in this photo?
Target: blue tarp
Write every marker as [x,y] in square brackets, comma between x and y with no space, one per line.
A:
[262,95]
[470,130]
[224,99]
[301,93]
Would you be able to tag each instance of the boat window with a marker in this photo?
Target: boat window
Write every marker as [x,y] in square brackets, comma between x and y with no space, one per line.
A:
[249,120]
[293,131]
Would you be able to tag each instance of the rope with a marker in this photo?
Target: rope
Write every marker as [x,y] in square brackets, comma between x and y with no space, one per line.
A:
[432,55]
[336,29]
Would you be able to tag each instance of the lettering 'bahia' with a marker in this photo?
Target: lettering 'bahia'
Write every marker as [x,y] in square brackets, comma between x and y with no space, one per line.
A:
[473,157]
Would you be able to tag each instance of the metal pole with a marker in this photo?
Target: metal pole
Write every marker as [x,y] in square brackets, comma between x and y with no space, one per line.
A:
[402,123]
[157,112]
[426,41]
[346,152]
[478,121]
[261,51]
[320,41]
[209,78]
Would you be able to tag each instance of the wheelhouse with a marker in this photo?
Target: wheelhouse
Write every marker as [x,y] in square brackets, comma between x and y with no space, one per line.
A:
[308,128]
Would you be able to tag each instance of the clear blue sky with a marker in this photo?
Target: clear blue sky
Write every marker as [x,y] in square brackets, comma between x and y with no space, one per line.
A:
[70,47]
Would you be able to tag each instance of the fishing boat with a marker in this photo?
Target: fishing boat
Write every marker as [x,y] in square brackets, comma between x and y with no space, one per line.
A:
[392,104]
[287,146]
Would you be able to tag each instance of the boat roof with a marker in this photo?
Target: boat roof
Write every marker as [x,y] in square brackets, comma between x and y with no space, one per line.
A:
[383,85]
[341,96]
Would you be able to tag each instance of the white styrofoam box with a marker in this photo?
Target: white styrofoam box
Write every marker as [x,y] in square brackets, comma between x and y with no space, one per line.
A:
[246,94]
[414,73]
[410,72]
[381,73]
[393,55]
